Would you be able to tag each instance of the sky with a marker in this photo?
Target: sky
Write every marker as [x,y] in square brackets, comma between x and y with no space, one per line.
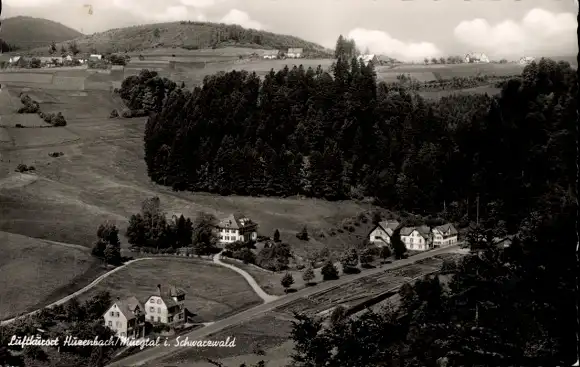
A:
[403,29]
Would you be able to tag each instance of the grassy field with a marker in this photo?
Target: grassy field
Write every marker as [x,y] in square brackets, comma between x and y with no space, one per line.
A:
[212,292]
[36,272]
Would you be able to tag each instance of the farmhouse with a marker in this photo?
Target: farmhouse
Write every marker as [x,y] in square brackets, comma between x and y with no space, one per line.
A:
[445,235]
[416,238]
[369,58]
[294,53]
[126,317]
[271,54]
[381,234]
[95,57]
[166,307]
[14,59]
[56,60]
[476,57]
[236,227]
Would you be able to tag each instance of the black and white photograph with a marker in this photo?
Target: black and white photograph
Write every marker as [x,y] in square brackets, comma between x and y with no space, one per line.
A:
[289,183]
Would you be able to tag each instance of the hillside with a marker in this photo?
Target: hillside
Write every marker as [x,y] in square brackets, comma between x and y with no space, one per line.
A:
[27,32]
[189,35]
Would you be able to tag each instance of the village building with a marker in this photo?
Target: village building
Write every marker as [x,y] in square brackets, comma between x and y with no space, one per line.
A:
[236,227]
[95,57]
[444,235]
[381,234]
[166,307]
[417,238]
[294,53]
[271,54]
[14,59]
[126,317]
[368,58]
[476,57]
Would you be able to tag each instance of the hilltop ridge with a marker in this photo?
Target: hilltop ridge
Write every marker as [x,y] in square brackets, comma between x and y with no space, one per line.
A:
[28,32]
[188,35]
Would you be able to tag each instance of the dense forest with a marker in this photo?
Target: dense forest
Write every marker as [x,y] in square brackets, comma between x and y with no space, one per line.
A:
[339,134]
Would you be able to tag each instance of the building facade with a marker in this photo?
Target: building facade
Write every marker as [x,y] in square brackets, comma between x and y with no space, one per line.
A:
[166,307]
[126,318]
[417,238]
[294,53]
[236,227]
[445,235]
[381,235]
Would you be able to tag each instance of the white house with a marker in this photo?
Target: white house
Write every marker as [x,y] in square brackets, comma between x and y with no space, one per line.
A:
[294,53]
[95,57]
[381,234]
[166,307]
[369,58]
[271,54]
[236,227]
[14,59]
[476,57]
[126,317]
[416,238]
[445,235]
[526,60]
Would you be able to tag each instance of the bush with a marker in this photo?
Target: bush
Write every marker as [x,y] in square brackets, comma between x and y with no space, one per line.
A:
[58,120]
[24,168]
[134,113]
[55,154]
[303,234]
[114,114]
[329,271]
[19,126]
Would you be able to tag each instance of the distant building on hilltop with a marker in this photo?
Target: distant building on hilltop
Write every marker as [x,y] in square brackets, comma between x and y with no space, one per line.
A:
[271,54]
[236,227]
[369,58]
[526,60]
[294,53]
[476,57]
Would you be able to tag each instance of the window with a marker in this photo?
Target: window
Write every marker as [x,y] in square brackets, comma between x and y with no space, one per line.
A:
[158,309]
[158,318]
[110,323]
[158,301]
[151,309]
[152,318]
[412,240]
[112,314]
[152,300]
[221,237]
[117,314]
[180,316]
[170,319]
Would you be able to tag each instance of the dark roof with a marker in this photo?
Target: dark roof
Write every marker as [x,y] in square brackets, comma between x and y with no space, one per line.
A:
[235,221]
[424,231]
[176,292]
[128,306]
[447,227]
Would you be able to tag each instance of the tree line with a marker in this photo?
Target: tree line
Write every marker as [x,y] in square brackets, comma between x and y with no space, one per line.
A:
[340,134]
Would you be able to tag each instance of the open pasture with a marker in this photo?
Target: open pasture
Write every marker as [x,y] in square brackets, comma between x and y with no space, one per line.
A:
[40,137]
[212,292]
[36,272]
[24,119]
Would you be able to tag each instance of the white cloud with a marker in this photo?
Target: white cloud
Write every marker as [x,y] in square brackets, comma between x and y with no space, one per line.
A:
[171,14]
[380,42]
[539,33]
[200,3]
[239,17]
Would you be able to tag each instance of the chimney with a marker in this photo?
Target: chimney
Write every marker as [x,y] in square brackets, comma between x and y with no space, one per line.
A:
[159,289]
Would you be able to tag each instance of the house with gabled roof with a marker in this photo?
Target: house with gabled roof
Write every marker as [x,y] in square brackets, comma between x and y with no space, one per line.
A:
[417,238]
[294,53]
[166,306]
[236,227]
[126,317]
[381,234]
[271,54]
[444,235]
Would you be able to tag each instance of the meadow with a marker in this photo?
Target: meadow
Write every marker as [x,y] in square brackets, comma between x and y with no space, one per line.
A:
[212,292]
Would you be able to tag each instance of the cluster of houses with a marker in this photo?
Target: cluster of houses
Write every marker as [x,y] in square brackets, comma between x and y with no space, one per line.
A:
[292,53]
[420,238]
[526,60]
[126,317]
[476,57]
[52,61]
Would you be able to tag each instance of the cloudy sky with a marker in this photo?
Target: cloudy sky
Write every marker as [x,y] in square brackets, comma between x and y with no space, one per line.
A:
[404,29]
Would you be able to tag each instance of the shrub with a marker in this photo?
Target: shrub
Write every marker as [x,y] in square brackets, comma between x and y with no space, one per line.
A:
[308,275]
[114,114]
[55,154]
[329,271]
[287,281]
[303,234]
[19,126]
[58,120]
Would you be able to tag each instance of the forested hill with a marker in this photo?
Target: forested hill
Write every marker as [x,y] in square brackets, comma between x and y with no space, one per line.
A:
[190,35]
[27,32]
[338,136]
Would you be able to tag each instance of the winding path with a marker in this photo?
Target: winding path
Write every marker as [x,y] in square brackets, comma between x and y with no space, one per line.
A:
[216,259]
[251,281]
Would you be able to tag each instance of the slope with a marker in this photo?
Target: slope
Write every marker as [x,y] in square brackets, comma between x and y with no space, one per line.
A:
[190,35]
[27,32]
